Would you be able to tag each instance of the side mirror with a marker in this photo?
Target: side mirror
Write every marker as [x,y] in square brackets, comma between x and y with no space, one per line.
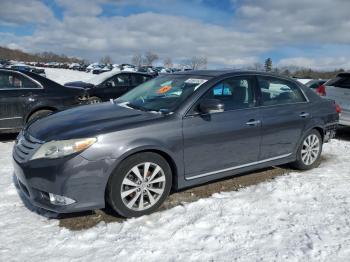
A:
[208,106]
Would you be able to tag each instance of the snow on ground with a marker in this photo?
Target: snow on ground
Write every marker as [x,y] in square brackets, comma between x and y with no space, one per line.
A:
[63,76]
[298,217]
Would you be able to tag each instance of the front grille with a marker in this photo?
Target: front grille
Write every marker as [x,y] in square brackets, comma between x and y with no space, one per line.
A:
[25,147]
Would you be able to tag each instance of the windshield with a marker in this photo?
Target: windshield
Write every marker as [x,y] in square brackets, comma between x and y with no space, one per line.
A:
[162,94]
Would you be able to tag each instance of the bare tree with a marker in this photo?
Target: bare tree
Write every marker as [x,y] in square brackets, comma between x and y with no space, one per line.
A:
[106,60]
[150,58]
[198,62]
[168,62]
[137,60]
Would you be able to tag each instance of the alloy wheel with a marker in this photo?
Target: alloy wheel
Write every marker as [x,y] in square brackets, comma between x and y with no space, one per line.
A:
[143,186]
[310,149]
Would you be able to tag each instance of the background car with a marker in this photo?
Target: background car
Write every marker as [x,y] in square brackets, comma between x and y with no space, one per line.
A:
[318,86]
[338,89]
[27,68]
[110,85]
[25,96]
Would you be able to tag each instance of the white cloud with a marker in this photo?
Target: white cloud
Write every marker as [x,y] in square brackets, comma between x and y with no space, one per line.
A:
[259,27]
[121,37]
[321,63]
[17,12]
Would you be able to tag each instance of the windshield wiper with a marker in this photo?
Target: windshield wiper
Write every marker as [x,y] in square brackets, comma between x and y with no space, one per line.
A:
[138,107]
[162,111]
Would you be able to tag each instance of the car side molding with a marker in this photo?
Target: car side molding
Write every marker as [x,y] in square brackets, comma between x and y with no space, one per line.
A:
[238,167]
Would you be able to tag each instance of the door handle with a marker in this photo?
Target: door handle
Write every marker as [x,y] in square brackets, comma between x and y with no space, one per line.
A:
[253,122]
[304,115]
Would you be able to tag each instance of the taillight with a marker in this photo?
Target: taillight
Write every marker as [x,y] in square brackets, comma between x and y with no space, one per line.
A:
[321,90]
[337,108]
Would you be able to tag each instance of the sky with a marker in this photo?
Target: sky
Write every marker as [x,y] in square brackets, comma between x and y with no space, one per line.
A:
[230,33]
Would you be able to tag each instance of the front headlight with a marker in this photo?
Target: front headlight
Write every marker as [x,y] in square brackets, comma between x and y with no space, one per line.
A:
[57,149]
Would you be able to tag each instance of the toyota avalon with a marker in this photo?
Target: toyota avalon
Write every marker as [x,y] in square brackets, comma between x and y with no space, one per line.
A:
[175,131]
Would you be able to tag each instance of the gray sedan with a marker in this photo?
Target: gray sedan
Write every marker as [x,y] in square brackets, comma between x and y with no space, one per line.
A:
[174,131]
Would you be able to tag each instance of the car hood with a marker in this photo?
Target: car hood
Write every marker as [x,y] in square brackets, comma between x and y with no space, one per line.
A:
[87,121]
[79,84]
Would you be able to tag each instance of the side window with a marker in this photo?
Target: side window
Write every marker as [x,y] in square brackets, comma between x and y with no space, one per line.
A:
[276,91]
[122,80]
[234,93]
[137,79]
[9,80]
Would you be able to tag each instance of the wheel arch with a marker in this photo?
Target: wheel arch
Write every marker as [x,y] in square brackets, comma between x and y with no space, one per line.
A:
[160,151]
[37,109]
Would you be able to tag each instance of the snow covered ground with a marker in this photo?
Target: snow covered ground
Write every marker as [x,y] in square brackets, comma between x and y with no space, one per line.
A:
[298,217]
[63,76]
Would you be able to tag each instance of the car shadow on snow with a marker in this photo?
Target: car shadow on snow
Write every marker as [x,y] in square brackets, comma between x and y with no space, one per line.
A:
[89,219]
[8,137]
[177,198]
[343,133]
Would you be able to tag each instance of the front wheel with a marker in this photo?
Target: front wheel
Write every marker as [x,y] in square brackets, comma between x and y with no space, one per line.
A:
[309,151]
[139,185]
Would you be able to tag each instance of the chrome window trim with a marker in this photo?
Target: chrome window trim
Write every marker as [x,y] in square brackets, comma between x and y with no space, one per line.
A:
[24,75]
[9,118]
[238,167]
[256,106]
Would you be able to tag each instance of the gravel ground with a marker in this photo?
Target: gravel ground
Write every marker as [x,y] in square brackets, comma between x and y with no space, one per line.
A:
[79,221]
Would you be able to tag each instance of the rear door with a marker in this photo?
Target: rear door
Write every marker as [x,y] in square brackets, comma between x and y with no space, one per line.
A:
[17,93]
[339,90]
[284,112]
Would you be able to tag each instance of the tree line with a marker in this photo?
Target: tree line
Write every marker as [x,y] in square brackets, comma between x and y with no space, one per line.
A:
[295,71]
[149,58]
[44,57]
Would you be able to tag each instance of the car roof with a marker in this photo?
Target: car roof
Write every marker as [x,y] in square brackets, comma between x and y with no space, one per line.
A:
[345,74]
[221,72]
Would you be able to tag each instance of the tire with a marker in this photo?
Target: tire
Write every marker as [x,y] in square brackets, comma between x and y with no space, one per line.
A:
[125,187]
[39,114]
[94,100]
[314,151]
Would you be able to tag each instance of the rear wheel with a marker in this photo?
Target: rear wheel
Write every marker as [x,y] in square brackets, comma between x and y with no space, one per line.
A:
[39,114]
[139,185]
[309,151]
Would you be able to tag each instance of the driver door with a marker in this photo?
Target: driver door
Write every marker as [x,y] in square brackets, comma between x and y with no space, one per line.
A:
[224,140]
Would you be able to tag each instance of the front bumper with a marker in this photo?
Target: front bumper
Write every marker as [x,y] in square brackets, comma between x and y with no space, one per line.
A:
[73,177]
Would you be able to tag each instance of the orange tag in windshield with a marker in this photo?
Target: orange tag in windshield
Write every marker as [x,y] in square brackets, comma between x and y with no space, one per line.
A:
[163,89]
